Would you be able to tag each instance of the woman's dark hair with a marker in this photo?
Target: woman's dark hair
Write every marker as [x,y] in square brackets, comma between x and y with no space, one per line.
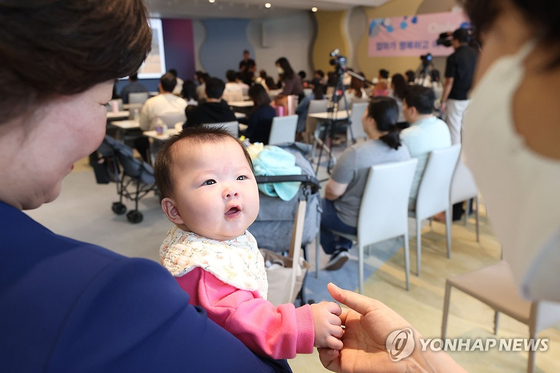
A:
[214,88]
[399,85]
[199,135]
[385,112]
[258,95]
[410,76]
[384,74]
[189,90]
[58,48]
[269,81]
[543,15]
[262,74]
[285,65]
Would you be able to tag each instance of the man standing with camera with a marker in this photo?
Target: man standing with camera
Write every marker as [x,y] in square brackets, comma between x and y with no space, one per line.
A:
[459,73]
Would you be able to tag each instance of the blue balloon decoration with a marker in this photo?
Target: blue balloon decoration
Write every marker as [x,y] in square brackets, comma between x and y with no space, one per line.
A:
[404,25]
[390,29]
[414,20]
[371,27]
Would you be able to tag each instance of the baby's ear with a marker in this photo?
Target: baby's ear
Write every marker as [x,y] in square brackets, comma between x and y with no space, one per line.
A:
[171,211]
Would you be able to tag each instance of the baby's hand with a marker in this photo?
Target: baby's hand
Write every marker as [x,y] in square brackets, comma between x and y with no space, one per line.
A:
[328,330]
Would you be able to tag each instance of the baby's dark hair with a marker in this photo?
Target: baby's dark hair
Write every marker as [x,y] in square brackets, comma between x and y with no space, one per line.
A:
[196,135]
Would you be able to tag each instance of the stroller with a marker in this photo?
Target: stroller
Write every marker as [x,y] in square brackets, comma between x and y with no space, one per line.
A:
[278,219]
[115,162]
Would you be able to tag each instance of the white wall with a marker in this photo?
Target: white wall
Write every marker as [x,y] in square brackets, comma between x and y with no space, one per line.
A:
[354,24]
[290,36]
[199,34]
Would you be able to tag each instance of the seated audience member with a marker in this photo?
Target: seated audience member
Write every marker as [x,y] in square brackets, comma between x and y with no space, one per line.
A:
[261,79]
[382,86]
[398,89]
[179,86]
[303,107]
[164,103]
[242,84]
[201,89]
[189,93]
[303,75]
[232,91]
[356,90]
[260,120]
[345,188]
[410,77]
[214,110]
[132,87]
[426,131]
[270,84]
[320,74]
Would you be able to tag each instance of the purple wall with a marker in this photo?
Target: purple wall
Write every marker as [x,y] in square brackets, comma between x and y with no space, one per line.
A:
[178,40]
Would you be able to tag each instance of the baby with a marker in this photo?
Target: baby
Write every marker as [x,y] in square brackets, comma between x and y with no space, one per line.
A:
[208,190]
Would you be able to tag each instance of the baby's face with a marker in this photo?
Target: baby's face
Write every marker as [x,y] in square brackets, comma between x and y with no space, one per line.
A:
[215,191]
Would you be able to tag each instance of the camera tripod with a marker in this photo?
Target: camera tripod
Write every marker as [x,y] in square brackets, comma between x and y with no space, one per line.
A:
[329,126]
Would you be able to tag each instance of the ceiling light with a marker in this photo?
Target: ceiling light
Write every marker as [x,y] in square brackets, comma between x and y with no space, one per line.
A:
[314,9]
[267,5]
[211,1]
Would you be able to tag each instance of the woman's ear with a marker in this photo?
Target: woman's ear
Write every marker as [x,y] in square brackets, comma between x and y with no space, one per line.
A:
[170,209]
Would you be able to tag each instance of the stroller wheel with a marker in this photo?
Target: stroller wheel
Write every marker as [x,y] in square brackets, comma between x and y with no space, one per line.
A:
[118,208]
[134,216]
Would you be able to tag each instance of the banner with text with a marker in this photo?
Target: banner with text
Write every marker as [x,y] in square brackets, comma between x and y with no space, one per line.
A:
[413,35]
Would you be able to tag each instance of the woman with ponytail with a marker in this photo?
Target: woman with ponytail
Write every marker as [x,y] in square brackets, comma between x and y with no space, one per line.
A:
[345,188]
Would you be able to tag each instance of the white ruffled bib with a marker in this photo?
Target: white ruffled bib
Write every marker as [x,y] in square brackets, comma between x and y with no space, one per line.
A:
[236,262]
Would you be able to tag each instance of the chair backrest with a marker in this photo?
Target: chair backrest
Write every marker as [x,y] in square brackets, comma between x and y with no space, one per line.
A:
[384,207]
[358,110]
[137,97]
[463,185]
[170,120]
[283,130]
[434,189]
[231,127]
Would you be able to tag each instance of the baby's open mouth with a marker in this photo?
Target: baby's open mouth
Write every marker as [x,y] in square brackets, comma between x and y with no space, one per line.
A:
[233,210]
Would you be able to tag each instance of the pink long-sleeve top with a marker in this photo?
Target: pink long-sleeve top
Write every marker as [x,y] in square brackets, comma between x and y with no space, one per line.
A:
[279,332]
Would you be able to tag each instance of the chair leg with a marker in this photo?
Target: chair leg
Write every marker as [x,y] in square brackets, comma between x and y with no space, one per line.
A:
[317,252]
[496,322]
[532,352]
[445,310]
[361,267]
[418,246]
[477,219]
[406,262]
[467,212]
[448,231]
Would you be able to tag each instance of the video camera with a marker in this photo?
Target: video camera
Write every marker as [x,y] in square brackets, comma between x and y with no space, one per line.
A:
[338,61]
[445,38]
[426,59]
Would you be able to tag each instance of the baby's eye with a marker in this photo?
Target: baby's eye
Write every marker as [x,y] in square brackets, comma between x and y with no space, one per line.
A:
[242,177]
[209,182]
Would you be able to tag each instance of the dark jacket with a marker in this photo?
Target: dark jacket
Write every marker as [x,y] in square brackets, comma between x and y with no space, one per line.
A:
[208,112]
[260,123]
[69,306]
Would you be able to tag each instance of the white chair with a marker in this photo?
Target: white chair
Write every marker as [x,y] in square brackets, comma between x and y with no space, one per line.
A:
[463,188]
[356,130]
[137,97]
[384,211]
[283,130]
[433,194]
[495,286]
[171,119]
[231,127]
